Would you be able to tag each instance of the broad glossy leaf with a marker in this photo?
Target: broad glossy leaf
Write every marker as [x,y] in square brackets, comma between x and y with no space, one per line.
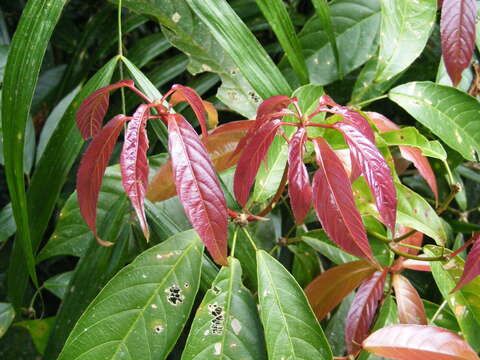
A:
[134,164]
[406,27]
[318,240]
[198,187]
[418,342]
[92,168]
[299,188]
[449,113]
[143,309]
[91,112]
[58,285]
[464,303]
[458,29]
[7,314]
[334,204]
[362,311]
[226,324]
[375,170]
[329,289]
[410,306]
[285,314]
[472,264]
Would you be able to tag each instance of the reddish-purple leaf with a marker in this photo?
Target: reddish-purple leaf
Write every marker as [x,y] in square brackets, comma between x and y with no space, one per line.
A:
[457,28]
[134,164]
[410,305]
[299,188]
[362,311]
[416,239]
[472,266]
[251,158]
[409,153]
[417,265]
[418,342]
[198,187]
[93,109]
[334,203]
[91,170]
[196,103]
[375,170]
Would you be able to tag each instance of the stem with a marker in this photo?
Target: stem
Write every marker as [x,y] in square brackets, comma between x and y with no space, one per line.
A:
[415,257]
[449,173]
[439,310]
[249,237]
[120,52]
[278,194]
[464,246]
[234,243]
[369,101]
[404,236]
[455,189]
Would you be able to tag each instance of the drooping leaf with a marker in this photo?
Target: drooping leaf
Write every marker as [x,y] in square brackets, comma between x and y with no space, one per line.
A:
[418,342]
[375,170]
[318,240]
[299,188]
[362,311]
[143,309]
[410,305]
[444,79]
[226,324]
[417,265]
[198,187]
[58,285]
[472,264]
[92,168]
[334,204]
[7,314]
[91,112]
[449,113]
[329,289]
[285,314]
[406,27]
[458,29]
[134,164]
[195,101]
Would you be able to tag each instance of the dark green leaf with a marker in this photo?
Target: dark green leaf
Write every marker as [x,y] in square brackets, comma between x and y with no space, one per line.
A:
[39,331]
[335,330]
[318,240]
[58,284]
[7,313]
[306,264]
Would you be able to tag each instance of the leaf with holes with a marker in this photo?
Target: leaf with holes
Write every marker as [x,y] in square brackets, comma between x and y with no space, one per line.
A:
[143,309]
[285,314]
[458,30]
[418,342]
[329,289]
[92,168]
[226,324]
[410,305]
[334,204]
[363,310]
[91,112]
[198,187]
[472,265]
[134,164]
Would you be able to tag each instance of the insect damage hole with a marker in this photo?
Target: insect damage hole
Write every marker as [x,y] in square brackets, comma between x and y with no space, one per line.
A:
[174,295]
[218,318]
[158,329]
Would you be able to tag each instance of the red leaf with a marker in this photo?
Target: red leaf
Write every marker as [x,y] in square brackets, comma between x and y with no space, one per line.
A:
[416,239]
[330,288]
[198,187]
[196,103]
[362,311]
[418,342]
[134,164]
[457,28]
[409,153]
[242,125]
[472,266]
[334,203]
[93,109]
[417,265]
[299,188]
[91,170]
[251,158]
[410,306]
[375,170]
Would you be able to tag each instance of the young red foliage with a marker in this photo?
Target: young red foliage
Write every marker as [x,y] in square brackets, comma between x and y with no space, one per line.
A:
[472,266]
[409,303]
[251,158]
[299,188]
[418,342]
[184,93]
[93,109]
[334,204]
[198,187]
[374,169]
[417,265]
[362,311]
[134,164]
[458,31]
[91,170]
[416,239]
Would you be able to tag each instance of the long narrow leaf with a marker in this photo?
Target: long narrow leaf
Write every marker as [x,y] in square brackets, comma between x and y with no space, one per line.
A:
[410,305]
[472,264]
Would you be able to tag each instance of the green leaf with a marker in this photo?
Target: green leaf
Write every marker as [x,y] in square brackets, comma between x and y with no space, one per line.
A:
[306,264]
[58,285]
[141,312]
[448,112]
[277,16]
[410,136]
[226,323]
[39,331]
[291,330]
[464,303]
[23,66]
[7,314]
[445,317]
[7,223]
[406,27]
[318,240]
[444,79]
[335,330]
[148,48]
